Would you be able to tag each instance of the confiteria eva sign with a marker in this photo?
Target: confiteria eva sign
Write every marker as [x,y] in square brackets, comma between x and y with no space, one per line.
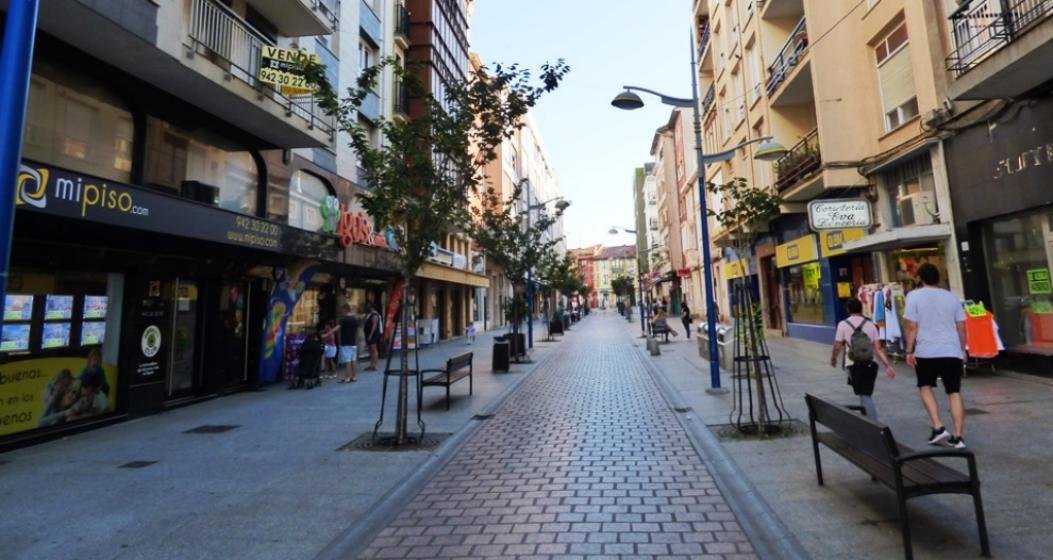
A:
[40,187]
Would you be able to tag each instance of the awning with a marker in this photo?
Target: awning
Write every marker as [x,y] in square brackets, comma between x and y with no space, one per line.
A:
[434,271]
[898,238]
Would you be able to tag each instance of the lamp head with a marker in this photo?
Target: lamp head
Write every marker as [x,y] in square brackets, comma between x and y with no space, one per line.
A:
[627,100]
[562,205]
[770,151]
[613,231]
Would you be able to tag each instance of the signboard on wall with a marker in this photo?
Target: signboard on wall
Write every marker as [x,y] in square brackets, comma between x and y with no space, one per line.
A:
[42,392]
[839,214]
[285,68]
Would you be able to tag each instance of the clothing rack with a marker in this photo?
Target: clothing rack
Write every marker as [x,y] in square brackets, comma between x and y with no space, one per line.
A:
[883,304]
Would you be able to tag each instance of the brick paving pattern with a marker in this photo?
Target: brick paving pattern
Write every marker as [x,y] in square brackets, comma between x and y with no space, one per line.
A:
[584,461]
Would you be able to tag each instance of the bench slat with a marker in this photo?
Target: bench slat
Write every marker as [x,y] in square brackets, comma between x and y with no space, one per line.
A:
[441,379]
[923,472]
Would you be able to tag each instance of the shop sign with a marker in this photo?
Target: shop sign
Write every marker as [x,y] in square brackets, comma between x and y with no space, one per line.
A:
[839,214]
[1035,156]
[43,392]
[735,269]
[832,242]
[798,251]
[683,272]
[285,68]
[1038,282]
[153,314]
[353,228]
[63,193]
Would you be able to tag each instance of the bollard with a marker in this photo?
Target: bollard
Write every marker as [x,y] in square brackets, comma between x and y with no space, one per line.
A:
[652,346]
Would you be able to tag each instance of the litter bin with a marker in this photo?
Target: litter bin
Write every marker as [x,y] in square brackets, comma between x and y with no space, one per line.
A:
[501,355]
[725,345]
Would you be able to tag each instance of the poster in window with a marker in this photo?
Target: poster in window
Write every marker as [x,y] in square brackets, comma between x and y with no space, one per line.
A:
[58,307]
[14,338]
[92,333]
[18,308]
[56,335]
[95,307]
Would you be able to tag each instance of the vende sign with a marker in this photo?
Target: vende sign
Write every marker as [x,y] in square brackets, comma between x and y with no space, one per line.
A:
[839,214]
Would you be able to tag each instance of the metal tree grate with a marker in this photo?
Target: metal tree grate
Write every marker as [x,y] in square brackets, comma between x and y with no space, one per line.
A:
[386,442]
[211,429]
[137,464]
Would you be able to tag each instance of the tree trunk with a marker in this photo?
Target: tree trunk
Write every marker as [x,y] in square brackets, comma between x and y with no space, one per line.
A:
[402,410]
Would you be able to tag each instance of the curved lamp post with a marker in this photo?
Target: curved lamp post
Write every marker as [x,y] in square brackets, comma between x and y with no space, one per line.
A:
[561,205]
[767,151]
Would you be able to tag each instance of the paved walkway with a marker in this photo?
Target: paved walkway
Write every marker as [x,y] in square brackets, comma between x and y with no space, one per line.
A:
[585,460]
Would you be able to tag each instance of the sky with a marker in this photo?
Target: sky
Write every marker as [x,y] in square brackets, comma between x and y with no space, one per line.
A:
[594,147]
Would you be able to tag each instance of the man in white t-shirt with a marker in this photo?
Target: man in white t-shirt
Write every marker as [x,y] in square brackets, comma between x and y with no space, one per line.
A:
[935,338]
[863,374]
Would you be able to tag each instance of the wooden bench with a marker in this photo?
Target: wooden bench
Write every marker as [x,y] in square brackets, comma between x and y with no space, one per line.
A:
[870,446]
[457,368]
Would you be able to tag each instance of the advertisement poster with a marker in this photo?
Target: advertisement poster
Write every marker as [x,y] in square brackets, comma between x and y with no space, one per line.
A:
[14,338]
[58,307]
[56,335]
[52,391]
[95,307]
[18,308]
[289,285]
[92,333]
[394,301]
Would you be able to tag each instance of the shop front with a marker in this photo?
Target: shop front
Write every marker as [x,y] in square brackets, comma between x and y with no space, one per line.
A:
[1000,178]
[808,288]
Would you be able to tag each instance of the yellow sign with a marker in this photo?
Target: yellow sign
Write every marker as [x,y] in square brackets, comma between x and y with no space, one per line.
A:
[43,392]
[798,251]
[844,290]
[285,68]
[735,269]
[832,241]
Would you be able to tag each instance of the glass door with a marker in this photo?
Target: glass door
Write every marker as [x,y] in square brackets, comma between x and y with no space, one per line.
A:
[184,335]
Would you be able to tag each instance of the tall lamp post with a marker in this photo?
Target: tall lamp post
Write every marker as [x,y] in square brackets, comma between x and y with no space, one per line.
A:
[639,276]
[767,151]
[561,205]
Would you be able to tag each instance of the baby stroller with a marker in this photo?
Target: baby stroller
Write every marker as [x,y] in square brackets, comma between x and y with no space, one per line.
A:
[307,373]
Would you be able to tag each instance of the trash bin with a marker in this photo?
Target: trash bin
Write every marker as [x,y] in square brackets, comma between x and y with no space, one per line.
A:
[725,345]
[501,355]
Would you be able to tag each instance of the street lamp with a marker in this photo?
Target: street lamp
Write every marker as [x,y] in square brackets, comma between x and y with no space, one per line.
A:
[561,205]
[767,151]
[639,275]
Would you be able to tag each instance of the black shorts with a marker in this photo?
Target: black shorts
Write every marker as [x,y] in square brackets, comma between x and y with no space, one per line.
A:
[948,369]
[863,376]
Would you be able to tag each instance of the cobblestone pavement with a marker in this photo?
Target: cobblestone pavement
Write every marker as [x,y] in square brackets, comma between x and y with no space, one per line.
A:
[585,460]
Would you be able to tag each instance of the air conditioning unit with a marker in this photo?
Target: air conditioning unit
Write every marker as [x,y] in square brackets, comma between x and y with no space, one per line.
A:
[918,209]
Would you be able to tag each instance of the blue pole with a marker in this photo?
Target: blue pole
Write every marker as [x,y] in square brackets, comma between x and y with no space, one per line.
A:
[16,61]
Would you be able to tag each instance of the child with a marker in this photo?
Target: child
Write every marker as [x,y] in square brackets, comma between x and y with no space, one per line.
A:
[329,338]
[470,331]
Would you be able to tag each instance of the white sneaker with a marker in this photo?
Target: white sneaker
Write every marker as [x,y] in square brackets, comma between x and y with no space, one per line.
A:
[956,442]
[939,436]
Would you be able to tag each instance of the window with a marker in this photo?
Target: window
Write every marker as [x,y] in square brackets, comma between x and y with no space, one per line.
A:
[306,193]
[74,123]
[753,73]
[912,193]
[804,293]
[896,77]
[200,165]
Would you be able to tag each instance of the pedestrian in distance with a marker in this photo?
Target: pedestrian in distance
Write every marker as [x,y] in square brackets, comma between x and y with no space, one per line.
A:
[858,337]
[935,339]
[469,331]
[685,318]
[349,345]
[374,330]
[329,331]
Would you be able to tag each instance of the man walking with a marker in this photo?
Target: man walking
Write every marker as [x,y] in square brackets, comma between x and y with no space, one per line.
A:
[860,337]
[349,345]
[935,339]
[685,318]
[373,331]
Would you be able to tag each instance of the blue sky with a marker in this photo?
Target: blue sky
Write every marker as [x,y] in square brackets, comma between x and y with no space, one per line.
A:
[607,43]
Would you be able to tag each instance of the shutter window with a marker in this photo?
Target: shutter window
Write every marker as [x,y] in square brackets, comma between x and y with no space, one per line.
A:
[897,80]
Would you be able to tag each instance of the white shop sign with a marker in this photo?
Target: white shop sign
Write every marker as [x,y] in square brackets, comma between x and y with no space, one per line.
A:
[839,214]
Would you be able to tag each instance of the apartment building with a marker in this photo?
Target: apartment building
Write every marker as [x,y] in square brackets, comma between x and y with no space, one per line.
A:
[668,172]
[851,88]
[599,265]
[998,124]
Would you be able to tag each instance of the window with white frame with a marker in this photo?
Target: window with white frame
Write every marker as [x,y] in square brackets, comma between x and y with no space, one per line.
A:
[754,73]
[899,100]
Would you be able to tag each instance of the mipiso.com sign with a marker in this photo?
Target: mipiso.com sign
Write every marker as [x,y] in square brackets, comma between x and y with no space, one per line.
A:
[40,186]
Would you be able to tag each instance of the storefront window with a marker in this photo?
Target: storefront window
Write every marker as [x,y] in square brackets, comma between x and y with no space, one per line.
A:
[804,294]
[1018,250]
[201,165]
[75,123]
[306,193]
[912,192]
[904,264]
[59,338]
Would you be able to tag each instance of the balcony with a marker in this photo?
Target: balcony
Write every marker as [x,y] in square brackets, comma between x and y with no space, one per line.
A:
[299,18]
[707,101]
[800,163]
[791,53]
[370,108]
[369,23]
[402,26]
[1000,53]
[703,39]
[782,9]
[401,99]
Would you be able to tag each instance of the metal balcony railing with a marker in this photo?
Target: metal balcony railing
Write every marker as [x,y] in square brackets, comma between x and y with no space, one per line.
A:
[982,31]
[800,162]
[703,40]
[402,21]
[788,57]
[330,9]
[707,101]
[236,46]
[401,98]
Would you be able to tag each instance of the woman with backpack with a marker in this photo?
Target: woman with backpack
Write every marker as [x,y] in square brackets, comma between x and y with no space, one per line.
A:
[858,336]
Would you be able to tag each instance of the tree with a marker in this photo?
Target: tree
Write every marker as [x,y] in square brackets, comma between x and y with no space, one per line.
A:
[426,168]
[514,243]
[747,211]
[622,286]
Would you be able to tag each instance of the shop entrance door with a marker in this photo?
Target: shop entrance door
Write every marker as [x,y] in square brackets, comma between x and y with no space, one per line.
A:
[182,363]
[234,310]
[772,293]
[457,312]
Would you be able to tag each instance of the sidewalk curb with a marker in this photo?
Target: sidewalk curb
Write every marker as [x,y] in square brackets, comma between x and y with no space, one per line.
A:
[769,536]
[356,538]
